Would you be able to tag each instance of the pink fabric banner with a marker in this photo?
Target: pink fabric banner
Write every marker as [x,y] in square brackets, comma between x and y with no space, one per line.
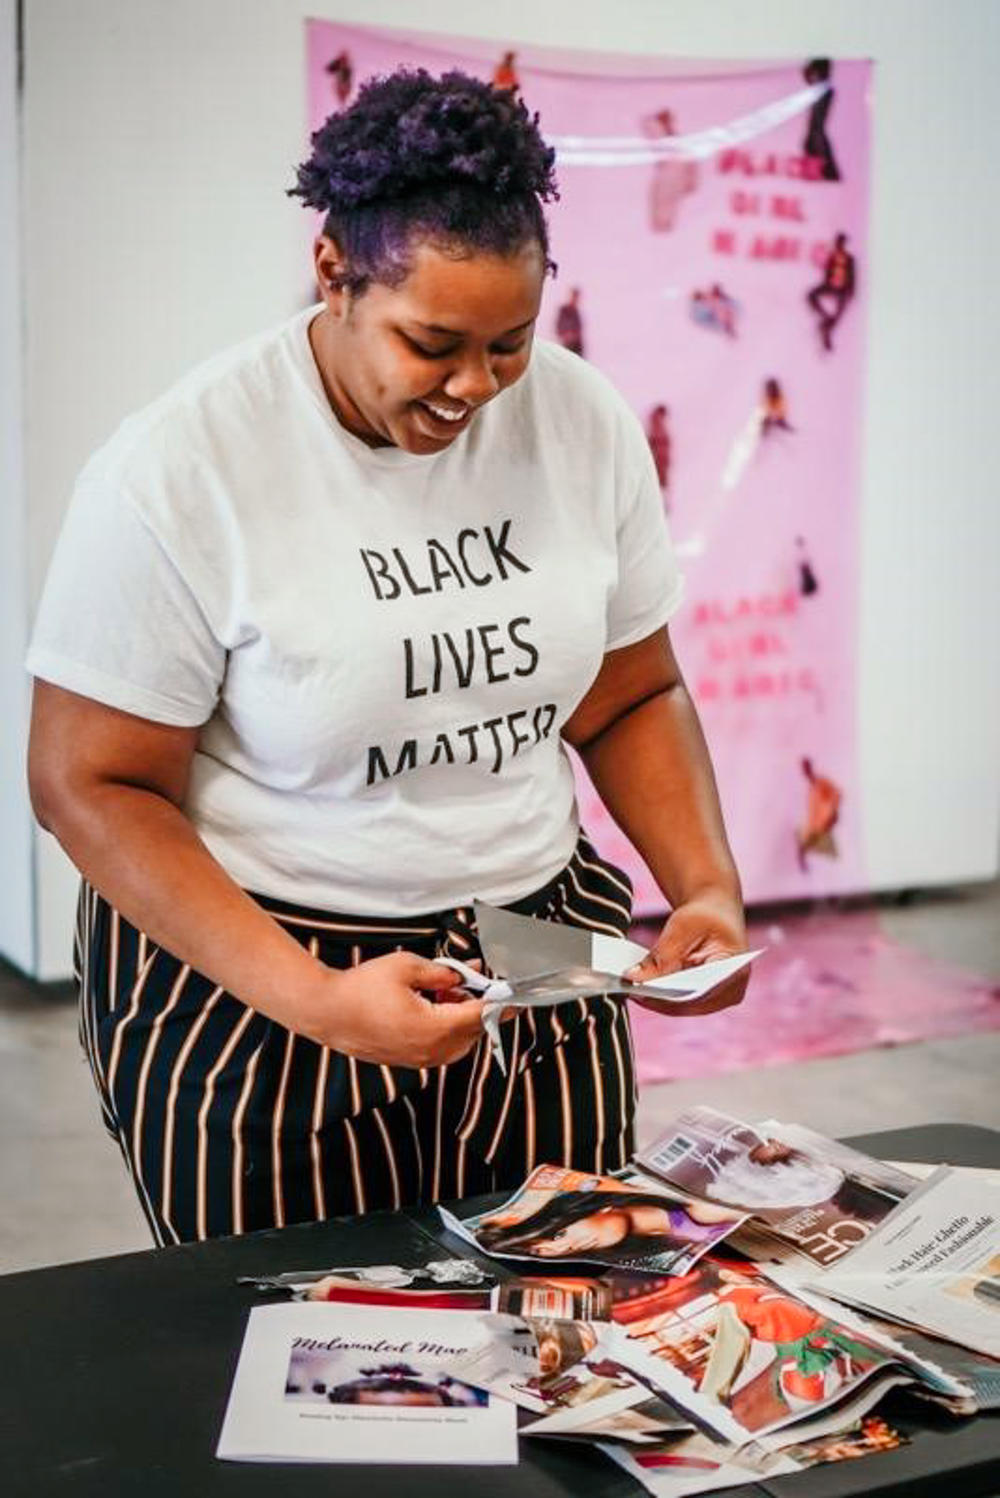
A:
[711,238]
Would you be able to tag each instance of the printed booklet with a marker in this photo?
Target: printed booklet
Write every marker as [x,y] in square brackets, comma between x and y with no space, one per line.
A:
[340,1383]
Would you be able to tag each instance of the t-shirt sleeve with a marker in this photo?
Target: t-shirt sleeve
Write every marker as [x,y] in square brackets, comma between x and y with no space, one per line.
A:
[119,623]
[650,585]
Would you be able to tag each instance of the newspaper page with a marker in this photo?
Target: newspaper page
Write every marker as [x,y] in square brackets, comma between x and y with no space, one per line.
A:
[339,1383]
[820,1197]
[560,1213]
[935,1263]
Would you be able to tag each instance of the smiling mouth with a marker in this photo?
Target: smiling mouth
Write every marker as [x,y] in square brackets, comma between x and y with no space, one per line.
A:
[450,417]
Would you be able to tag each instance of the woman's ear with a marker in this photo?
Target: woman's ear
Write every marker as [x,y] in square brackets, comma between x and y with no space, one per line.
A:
[331,273]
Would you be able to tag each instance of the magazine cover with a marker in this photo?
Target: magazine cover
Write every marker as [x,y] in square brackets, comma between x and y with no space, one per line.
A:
[340,1383]
[822,1197]
[560,1213]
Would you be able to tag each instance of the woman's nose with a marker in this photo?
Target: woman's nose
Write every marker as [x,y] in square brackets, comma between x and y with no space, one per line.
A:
[473,381]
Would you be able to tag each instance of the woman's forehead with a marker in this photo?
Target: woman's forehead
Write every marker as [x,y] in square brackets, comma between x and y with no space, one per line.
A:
[448,292]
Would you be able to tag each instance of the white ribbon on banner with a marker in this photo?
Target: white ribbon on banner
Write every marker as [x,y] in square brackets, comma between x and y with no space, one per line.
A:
[625,150]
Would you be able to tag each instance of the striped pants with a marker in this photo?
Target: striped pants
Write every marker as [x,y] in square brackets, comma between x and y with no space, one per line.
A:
[229,1122]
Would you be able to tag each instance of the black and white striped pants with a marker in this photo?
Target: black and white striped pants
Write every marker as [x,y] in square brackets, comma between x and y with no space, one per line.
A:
[229,1122]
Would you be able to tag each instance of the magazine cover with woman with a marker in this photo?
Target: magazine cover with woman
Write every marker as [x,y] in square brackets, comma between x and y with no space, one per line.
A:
[819,1196]
[566,1214]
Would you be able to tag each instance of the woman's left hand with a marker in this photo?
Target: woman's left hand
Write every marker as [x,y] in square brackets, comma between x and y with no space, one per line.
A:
[705,928]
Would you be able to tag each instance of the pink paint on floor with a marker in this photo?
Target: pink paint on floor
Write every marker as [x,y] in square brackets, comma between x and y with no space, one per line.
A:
[829,983]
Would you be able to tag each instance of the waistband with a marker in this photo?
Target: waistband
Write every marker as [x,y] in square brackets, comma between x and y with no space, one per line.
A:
[454,930]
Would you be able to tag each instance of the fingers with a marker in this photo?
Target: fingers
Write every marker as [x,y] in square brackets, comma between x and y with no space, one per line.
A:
[459,1026]
[422,973]
[460,992]
[656,964]
[728,993]
[465,1016]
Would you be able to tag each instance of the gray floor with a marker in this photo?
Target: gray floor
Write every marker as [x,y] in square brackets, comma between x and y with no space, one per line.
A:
[65,1194]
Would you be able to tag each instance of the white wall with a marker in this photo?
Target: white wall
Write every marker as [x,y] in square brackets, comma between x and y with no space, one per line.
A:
[160,137]
[16,836]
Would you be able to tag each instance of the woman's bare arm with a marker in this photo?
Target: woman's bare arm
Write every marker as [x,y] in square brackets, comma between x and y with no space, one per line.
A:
[638,734]
[110,787]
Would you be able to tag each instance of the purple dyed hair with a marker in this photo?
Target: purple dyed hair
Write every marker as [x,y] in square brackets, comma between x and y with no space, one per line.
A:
[450,160]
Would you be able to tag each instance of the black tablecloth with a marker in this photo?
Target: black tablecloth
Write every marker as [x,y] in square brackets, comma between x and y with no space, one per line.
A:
[116,1372]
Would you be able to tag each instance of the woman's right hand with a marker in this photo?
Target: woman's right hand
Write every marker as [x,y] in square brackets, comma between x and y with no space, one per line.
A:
[377,1012]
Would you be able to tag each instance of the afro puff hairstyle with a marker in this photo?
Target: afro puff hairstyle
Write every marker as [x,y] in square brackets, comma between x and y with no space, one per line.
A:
[449,160]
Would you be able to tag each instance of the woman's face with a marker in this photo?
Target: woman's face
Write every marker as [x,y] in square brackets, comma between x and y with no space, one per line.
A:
[410,366]
[599,1230]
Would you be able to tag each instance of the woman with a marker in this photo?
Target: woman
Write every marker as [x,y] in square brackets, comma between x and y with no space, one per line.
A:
[773,1174]
[608,1223]
[317,627]
[813,1356]
[773,409]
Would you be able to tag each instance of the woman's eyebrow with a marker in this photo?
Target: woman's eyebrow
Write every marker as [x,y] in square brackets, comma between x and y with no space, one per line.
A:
[432,327]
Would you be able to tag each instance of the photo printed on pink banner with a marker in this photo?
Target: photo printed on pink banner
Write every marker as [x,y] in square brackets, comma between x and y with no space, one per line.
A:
[711,238]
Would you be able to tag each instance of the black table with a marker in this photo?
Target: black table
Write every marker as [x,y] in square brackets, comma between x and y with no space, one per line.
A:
[115,1374]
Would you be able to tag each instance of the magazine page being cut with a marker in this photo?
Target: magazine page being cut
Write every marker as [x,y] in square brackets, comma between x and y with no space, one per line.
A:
[537,963]
[820,1197]
[560,1213]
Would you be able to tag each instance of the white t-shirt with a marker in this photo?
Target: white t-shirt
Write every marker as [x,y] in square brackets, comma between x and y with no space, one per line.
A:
[382,647]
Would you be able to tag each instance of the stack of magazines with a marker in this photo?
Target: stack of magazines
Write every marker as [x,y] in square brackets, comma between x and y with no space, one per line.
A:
[733,1307]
